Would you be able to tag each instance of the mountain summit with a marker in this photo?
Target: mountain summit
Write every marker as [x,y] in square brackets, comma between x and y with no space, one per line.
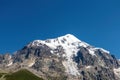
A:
[63,58]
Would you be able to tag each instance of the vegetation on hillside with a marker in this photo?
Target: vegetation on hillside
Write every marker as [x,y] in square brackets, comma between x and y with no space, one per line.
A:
[20,75]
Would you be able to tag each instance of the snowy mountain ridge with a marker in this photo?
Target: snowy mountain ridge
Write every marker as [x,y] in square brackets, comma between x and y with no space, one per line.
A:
[67,41]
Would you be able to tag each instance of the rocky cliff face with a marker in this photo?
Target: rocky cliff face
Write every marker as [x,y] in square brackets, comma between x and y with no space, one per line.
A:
[64,58]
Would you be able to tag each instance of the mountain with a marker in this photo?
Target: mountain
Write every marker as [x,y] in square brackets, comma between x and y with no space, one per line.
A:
[63,58]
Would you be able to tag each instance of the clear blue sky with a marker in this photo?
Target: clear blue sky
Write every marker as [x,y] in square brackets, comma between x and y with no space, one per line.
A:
[96,22]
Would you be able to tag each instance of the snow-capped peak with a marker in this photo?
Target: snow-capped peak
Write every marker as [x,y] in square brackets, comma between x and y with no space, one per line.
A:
[67,39]
[71,46]
[71,38]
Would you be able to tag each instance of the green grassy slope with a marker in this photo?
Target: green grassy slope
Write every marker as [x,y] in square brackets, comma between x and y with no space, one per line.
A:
[1,74]
[22,75]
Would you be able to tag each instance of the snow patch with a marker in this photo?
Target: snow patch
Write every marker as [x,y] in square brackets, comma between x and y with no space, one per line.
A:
[51,51]
[9,57]
[71,67]
[88,67]
[31,64]
[117,72]
[106,51]
[92,52]
[83,44]
[71,38]
[10,63]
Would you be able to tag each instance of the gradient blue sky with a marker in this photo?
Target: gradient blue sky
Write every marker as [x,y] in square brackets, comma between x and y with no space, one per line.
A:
[96,22]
